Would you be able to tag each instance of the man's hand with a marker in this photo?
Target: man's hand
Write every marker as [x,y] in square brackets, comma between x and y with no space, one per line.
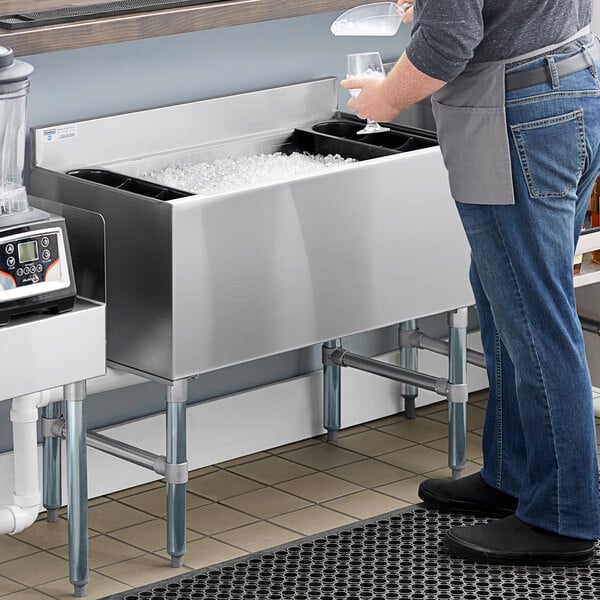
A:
[370,102]
[409,11]
[384,99]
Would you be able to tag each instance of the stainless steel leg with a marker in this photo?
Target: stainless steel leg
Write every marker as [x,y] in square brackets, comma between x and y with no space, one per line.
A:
[457,373]
[409,360]
[332,395]
[52,474]
[176,455]
[79,572]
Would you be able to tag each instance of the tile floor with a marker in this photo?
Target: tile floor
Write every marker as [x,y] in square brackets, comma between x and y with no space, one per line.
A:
[243,506]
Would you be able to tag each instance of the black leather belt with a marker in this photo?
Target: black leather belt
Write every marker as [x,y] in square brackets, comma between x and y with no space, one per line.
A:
[523,79]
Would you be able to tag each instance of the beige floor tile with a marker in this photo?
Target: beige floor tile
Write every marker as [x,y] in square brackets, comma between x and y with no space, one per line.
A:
[479,397]
[258,536]
[9,587]
[370,473]
[145,569]
[215,518]
[294,446]
[377,423]
[242,460]
[431,408]
[475,417]
[220,485]
[446,473]
[98,587]
[150,536]
[311,520]
[342,433]
[46,535]
[417,459]
[155,501]
[271,470]
[103,551]
[207,551]
[202,471]
[11,547]
[405,490]
[373,443]
[266,502]
[474,449]
[323,456]
[363,505]
[35,569]
[153,485]
[114,515]
[418,430]
[319,487]
[26,595]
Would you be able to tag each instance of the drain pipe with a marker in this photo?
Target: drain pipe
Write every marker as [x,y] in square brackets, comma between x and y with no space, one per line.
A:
[26,496]
[24,415]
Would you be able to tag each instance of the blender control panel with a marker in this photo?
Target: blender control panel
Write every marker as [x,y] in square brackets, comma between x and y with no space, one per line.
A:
[30,263]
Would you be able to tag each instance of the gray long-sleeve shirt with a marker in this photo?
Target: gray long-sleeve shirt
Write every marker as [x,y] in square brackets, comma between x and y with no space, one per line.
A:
[448,34]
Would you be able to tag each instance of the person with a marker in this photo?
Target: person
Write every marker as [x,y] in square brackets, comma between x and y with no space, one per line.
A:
[516,99]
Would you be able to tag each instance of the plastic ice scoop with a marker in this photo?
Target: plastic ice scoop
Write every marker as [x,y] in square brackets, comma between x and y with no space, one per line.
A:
[378,19]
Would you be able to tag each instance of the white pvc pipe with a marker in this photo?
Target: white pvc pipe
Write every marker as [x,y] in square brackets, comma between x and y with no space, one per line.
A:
[24,416]
[26,495]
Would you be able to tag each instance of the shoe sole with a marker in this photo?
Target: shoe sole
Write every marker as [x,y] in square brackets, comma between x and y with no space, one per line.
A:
[446,505]
[477,554]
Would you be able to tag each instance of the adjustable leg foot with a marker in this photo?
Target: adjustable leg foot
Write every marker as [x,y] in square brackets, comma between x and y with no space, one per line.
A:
[410,412]
[176,561]
[52,515]
[457,473]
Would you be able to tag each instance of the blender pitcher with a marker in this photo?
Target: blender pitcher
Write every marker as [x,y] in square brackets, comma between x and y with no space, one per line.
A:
[14,85]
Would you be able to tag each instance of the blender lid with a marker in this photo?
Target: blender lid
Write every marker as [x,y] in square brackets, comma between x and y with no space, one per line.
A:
[11,70]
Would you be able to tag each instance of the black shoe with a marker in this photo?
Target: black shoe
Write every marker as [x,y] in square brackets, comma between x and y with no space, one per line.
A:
[509,541]
[469,494]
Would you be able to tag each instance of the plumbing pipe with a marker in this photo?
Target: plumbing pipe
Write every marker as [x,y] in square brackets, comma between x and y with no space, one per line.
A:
[24,416]
[26,496]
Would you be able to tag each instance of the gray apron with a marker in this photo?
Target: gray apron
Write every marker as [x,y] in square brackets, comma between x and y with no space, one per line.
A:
[471,126]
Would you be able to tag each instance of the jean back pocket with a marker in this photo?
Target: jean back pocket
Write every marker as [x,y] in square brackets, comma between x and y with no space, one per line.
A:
[552,153]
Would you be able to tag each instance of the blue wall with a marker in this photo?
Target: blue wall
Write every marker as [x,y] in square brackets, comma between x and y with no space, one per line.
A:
[94,81]
[91,82]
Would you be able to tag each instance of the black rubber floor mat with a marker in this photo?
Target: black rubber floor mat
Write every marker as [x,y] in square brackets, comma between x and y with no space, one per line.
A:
[69,14]
[397,556]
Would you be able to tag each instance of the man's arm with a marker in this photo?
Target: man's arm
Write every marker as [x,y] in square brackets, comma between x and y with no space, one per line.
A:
[383,100]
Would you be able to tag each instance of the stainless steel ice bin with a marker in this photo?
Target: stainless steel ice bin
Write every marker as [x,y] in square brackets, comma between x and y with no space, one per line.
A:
[198,283]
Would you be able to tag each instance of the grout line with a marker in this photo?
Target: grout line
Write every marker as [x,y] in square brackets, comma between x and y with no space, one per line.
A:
[360,456]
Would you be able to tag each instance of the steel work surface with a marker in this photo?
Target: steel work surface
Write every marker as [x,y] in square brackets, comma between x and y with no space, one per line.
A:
[198,283]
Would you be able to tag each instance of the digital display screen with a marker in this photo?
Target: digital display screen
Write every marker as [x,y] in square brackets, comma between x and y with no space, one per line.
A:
[28,251]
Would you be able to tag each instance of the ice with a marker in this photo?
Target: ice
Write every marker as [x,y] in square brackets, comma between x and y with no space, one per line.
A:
[374,27]
[226,174]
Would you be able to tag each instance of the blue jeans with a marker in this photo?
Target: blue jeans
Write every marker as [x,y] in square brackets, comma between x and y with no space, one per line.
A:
[539,437]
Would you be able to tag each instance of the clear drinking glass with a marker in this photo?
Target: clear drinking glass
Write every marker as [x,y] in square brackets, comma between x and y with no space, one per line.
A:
[366,64]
